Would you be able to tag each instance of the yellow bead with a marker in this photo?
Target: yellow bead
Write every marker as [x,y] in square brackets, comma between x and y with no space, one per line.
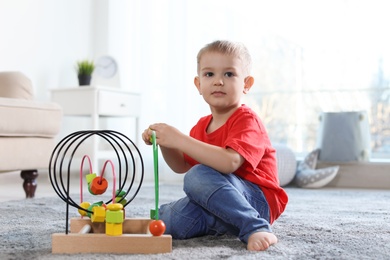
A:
[99,214]
[113,229]
[84,205]
[115,206]
[90,208]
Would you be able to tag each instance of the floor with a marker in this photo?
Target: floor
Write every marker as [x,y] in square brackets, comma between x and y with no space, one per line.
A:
[11,186]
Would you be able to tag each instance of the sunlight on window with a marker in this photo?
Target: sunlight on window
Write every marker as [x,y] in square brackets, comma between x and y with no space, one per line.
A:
[326,57]
[308,57]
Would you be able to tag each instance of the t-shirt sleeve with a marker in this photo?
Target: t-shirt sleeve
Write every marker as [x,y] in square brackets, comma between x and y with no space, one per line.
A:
[247,136]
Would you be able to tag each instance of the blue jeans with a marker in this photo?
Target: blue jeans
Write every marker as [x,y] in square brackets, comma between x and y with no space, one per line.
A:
[216,204]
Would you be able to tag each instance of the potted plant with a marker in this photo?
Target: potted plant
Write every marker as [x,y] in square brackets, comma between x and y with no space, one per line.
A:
[85,69]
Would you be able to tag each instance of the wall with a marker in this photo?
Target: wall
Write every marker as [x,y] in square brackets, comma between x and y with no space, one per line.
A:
[44,39]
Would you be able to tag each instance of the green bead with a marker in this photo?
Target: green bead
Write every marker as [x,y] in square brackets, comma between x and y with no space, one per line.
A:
[120,193]
[152,214]
[90,177]
[114,216]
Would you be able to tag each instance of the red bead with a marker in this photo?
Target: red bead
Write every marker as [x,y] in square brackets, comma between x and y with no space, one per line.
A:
[157,227]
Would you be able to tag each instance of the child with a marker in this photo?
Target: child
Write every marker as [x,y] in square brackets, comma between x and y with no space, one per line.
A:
[231,181]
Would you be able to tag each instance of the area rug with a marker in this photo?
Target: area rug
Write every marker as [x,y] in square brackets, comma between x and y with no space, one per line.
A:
[317,224]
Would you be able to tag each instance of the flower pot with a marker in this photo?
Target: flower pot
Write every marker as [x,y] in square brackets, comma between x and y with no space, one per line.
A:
[84,80]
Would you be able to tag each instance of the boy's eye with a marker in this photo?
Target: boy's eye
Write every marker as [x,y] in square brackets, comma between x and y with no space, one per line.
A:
[209,74]
[229,74]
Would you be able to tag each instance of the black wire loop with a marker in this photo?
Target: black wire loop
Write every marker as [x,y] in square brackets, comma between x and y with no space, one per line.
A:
[126,153]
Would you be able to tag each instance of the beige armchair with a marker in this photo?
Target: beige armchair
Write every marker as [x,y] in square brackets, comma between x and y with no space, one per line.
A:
[27,129]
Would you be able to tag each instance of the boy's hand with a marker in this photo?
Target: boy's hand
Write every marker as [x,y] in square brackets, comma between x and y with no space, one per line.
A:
[166,135]
[146,136]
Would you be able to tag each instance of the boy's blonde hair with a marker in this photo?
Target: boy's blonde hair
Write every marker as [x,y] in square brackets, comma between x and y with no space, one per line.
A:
[235,49]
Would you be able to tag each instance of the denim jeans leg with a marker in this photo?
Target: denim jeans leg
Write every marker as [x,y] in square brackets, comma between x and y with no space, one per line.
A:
[236,202]
[185,219]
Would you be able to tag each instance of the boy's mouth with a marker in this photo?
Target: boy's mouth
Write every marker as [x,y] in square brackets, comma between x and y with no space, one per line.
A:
[218,93]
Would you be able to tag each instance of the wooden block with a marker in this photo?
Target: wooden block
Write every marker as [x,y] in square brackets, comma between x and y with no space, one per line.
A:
[101,243]
[135,239]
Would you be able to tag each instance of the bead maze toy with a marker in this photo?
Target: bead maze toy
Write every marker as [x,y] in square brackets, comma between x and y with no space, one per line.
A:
[102,226]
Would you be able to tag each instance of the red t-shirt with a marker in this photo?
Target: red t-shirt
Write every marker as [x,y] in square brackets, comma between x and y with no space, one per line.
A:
[245,133]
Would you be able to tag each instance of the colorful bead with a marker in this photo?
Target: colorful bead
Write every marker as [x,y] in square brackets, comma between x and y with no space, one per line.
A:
[90,177]
[113,229]
[114,219]
[120,193]
[84,205]
[90,208]
[122,201]
[99,214]
[114,216]
[114,206]
[98,186]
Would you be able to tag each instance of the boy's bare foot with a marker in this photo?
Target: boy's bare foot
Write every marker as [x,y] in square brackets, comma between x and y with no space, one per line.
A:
[260,241]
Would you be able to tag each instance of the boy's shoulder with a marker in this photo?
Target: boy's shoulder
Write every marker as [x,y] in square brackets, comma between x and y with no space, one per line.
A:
[204,119]
[245,110]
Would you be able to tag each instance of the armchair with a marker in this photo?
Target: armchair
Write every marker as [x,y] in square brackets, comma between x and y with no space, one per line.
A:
[27,129]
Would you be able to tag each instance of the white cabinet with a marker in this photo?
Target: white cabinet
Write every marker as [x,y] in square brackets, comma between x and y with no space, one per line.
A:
[96,102]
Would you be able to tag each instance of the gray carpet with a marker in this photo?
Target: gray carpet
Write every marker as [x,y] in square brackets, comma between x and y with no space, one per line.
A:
[318,224]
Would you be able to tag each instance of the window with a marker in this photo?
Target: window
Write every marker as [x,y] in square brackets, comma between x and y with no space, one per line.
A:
[309,57]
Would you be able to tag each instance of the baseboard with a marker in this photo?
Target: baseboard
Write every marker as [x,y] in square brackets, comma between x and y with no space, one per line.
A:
[369,175]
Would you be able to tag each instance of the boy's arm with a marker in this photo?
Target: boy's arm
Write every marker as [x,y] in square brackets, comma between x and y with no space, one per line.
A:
[175,159]
[224,160]
[172,156]
[173,144]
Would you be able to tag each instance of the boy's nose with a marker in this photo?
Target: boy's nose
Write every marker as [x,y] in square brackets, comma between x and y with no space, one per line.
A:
[218,82]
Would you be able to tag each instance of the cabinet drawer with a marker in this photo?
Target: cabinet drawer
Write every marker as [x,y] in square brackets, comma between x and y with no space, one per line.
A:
[118,103]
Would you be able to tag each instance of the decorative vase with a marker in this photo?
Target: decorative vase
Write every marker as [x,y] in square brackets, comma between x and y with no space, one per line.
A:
[84,80]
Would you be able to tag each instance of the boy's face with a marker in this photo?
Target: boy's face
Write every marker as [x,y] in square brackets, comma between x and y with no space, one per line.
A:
[222,80]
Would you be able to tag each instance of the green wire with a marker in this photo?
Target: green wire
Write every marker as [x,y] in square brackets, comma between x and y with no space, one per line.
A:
[155,159]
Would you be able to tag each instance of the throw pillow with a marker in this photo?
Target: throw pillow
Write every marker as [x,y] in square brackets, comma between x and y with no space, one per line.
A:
[286,162]
[308,176]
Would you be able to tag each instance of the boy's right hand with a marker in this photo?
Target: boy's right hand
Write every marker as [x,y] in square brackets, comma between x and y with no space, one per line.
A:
[147,137]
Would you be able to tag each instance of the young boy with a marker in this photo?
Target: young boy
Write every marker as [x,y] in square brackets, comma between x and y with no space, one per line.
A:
[231,181]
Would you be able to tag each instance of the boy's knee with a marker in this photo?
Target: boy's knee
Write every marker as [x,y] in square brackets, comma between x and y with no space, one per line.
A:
[198,178]
[197,173]
[192,177]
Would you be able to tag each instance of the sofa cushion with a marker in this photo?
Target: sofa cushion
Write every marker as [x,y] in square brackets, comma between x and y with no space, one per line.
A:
[29,118]
[15,84]
[25,153]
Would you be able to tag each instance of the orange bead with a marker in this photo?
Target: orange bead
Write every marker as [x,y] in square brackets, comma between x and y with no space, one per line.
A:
[98,186]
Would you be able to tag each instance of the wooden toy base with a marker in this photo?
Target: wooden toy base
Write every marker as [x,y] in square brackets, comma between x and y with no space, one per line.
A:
[135,239]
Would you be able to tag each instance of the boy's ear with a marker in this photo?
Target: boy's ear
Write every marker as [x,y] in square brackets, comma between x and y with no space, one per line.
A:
[248,84]
[197,84]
